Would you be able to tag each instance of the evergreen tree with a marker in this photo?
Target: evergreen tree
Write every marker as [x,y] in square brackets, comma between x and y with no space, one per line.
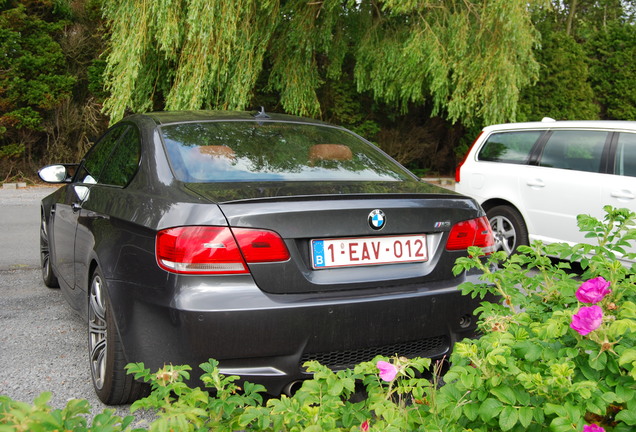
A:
[612,54]
[33,79]
[563,91]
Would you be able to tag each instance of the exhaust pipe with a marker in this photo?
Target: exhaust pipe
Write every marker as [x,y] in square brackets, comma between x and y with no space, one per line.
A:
[292,388]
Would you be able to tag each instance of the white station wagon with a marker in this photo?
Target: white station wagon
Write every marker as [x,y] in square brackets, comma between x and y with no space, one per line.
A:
[533,179]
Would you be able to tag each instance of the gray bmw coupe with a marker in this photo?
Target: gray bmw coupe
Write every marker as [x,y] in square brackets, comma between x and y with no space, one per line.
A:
[260,240]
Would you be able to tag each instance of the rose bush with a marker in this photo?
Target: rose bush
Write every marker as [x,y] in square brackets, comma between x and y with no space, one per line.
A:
[546,362]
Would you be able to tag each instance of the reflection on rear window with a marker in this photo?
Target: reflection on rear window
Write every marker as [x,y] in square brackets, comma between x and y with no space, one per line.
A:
[272,151]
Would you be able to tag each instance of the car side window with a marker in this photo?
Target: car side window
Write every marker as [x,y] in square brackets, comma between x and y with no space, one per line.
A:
[509,147]
[97,157]
[579,150]
[625,159]
[124,160]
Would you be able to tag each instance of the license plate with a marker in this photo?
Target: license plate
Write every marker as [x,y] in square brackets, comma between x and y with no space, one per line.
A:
[364,251]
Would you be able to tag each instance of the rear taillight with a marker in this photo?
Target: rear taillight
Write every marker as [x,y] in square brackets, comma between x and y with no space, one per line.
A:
[474,232]
[459,166]
[261,246]
[215,250]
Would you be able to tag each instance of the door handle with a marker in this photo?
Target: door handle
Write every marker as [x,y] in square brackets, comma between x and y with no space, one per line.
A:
[536,183]
[622,194]
[94,215]
[76,207]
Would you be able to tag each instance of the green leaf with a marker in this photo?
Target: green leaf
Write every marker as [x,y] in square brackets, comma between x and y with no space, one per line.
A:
[559,410]
[620,327]
[596,406]
[539,416]
[471,411]
[589,373]
[624,393]
[575,412]
[628,416]
[508,418]
[627,310]
[505,394]
[530,351]
[629,356]
[490,409]
[598,361]
[526,415]
[561,424]
[523,397]
[42,399]
[609,397]
[336,388]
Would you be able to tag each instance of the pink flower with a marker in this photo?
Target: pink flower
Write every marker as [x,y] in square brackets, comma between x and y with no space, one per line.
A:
[593,428]
[364,427]
[593,291]
[387,370]
[587,319]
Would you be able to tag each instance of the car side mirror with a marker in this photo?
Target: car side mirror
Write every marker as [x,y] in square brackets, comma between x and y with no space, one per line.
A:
[54,174]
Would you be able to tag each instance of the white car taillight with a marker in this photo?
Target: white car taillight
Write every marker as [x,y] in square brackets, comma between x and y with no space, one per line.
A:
[458,174]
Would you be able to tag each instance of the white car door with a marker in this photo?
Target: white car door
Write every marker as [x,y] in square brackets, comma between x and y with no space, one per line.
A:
[619,190]
[566,183]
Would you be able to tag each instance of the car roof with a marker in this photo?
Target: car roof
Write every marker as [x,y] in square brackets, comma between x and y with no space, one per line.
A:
[547,123]
[170,117]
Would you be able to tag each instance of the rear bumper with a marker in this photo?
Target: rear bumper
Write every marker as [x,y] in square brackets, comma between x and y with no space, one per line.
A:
[266,338]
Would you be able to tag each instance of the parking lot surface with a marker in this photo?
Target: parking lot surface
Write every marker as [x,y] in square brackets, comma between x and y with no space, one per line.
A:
[43,343]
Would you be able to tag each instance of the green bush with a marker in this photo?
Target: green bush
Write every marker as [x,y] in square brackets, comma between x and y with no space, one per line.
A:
[558,353]
[546,361]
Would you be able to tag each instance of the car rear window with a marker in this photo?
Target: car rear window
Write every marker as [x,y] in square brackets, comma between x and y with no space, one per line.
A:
[220,151]
[509,147]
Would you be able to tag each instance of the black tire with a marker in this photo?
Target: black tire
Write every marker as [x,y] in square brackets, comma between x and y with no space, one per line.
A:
[508,227]
[48,275]
[107,361]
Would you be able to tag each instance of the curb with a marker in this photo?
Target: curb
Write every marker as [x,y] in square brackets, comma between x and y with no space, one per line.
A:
[20,185]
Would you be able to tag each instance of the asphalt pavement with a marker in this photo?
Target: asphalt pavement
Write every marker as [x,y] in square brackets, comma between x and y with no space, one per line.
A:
[43,343]
[19,223]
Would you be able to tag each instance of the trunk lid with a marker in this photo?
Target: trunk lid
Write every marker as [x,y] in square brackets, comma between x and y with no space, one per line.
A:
[300,213]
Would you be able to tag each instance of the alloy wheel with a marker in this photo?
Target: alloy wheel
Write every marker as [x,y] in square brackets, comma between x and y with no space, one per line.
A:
[48,275]
[505,234]
[98,341]
[44,250]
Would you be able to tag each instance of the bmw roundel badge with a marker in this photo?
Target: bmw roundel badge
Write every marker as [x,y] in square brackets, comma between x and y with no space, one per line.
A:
[377,220]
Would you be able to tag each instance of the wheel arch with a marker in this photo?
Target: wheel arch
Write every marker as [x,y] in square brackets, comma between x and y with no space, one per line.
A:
[491,203]
[494,202]
[521,229]
[89,279]
[91,269]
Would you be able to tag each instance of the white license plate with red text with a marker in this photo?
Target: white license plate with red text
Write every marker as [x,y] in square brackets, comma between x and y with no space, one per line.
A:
[349,252]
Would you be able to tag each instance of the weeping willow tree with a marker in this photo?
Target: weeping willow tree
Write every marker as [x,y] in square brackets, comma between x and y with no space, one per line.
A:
[468,59]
